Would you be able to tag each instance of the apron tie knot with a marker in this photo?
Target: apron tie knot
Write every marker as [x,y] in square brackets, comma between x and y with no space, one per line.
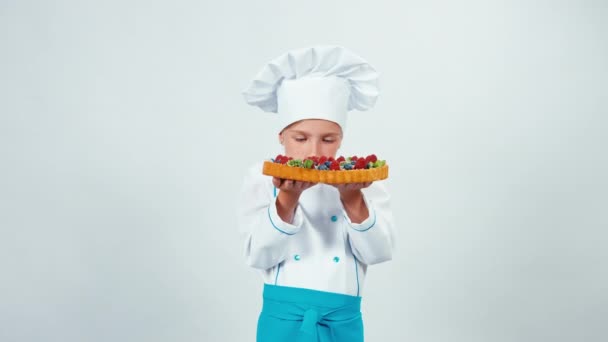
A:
[309,323]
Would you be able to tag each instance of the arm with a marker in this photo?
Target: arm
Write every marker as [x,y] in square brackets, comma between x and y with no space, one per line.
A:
[266,222]
[370,223]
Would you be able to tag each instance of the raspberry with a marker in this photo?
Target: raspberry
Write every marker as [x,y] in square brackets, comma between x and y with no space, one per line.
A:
[322,159]
[340,159]
[334,166]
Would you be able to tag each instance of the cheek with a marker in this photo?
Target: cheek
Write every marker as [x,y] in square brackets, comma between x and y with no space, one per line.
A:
[293,149]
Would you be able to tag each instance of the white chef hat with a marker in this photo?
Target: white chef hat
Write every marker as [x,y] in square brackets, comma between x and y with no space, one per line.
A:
[320,82]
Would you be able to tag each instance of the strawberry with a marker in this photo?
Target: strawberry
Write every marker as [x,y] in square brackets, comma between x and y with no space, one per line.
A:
[340,159]
[334,166]
[322,159]
[371,158]
[284,159]
[354,158]
[360,164]
[331,159]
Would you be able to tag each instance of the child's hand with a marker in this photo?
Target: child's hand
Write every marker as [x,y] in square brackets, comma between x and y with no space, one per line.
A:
[291,186]
[288,196]
[352,200]
[346,190]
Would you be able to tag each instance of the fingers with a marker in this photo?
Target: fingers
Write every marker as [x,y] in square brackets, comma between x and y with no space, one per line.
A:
[358,186]
[301,186]
[282,184]
[291,185]
[352,186]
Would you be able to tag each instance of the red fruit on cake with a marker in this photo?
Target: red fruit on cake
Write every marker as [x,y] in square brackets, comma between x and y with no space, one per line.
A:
[360,164]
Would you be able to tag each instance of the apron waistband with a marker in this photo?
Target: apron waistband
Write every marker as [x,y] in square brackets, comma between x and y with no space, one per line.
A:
[314,308]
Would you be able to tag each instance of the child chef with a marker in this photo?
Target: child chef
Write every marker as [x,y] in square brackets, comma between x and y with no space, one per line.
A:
[312,243]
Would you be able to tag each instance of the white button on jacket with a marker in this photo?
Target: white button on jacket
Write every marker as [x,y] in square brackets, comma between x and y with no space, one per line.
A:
[321,249]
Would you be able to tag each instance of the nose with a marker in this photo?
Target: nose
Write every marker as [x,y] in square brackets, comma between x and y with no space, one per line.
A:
[315,149]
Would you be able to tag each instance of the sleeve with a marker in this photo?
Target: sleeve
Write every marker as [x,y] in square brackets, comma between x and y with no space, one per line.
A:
[373,240]
[265,234]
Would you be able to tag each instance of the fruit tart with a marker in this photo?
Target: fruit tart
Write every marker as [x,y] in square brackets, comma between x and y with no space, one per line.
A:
[329,170]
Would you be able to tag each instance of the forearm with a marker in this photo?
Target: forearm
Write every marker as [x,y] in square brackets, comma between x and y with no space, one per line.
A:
[354,205]
[267,233]
[286,204]
[371,239]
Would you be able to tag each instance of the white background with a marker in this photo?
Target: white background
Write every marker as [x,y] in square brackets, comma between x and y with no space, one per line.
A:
[124,139]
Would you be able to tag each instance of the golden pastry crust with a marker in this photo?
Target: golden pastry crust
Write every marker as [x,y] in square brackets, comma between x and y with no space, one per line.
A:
[325,176]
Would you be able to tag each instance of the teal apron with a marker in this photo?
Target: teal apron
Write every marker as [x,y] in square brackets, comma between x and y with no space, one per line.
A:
[292,314]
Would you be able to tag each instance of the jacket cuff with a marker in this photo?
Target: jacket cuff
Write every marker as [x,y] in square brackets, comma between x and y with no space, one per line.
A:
[277,222]
[368,223]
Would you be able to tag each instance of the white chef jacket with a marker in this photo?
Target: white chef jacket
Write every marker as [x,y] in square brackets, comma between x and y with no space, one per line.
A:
[321,249]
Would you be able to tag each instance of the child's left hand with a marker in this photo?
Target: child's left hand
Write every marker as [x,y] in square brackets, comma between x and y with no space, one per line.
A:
[345,189]
[352,200]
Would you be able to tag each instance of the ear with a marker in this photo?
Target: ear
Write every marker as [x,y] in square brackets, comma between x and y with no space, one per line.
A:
[281,138]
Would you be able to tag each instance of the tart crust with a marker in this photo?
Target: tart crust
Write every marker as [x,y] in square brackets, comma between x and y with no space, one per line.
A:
[324,176]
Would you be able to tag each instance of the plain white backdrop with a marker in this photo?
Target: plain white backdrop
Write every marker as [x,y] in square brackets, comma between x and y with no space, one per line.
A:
[124,139]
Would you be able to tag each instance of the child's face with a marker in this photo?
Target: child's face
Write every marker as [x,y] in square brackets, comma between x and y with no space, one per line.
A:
[311,137]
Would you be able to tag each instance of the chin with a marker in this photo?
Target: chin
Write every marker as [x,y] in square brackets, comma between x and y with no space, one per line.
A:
[304,156]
